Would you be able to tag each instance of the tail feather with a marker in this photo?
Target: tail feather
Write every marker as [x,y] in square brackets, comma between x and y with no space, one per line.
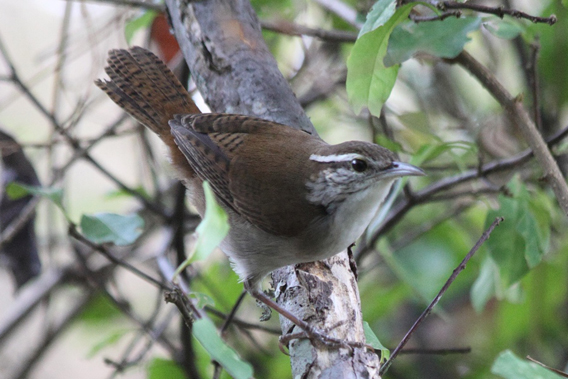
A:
[174,93]
[130,103]
[131,79]
[144,86]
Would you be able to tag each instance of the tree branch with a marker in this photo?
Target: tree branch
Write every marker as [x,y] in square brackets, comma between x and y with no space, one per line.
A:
[521,118]
[497,11]
[293,29]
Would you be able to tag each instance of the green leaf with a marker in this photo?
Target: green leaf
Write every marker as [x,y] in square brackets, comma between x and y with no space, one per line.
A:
[485,286]
[204,331]
[444,39]
[429,152]
[202,299]
[369,82]
[267,8]
[418,122]
[380,13]
[371,339]
[18,190]
[110,227]
[424,265]
[517,246]
[488,284]
[509,366]
[100,310]
[213,228]
[504,29]
[143,21]
[160,368]
[120,193]
[507,246]
[388,143]
[109,340]
[561,148]
[543,209]
[527,228]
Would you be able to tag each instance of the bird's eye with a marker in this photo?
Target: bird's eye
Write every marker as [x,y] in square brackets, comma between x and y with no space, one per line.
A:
[359,165]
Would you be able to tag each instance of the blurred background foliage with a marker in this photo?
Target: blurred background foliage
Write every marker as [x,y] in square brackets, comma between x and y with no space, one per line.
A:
[512,296]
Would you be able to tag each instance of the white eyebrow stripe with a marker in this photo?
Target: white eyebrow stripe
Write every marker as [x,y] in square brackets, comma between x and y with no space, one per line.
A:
[335,157]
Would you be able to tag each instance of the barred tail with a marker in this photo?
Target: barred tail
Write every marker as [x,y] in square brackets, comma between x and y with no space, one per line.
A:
[145,87]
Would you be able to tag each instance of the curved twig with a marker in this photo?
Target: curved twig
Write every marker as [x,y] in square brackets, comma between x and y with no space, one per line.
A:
[450,280]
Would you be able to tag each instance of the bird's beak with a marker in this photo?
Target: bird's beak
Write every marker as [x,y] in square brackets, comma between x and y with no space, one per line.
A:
[398,169]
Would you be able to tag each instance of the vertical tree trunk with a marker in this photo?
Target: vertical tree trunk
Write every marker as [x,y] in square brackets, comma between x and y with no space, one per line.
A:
[234,71]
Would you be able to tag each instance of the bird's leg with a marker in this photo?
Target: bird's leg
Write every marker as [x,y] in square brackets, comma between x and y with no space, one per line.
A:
[309,331]
[352,262]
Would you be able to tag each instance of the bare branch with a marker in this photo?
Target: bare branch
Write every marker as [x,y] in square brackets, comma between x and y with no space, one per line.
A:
[107,254]
[440,17]
[290,28]
[445,287]
[497,11]
[70,139]
[561,373]
[514,107]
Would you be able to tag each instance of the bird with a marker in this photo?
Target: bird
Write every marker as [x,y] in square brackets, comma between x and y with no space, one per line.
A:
[290,196]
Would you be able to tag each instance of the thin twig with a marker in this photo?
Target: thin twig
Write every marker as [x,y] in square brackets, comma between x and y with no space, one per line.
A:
[70,139]
[231,315]
[290,28]
[154,334]
[188,361]
[552,174]
[497,11]
[561,373]
[98,280]
[187,310]
[466,193]
[279,26]
[443,16]
[445,287]
[15,226]
[107,254]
